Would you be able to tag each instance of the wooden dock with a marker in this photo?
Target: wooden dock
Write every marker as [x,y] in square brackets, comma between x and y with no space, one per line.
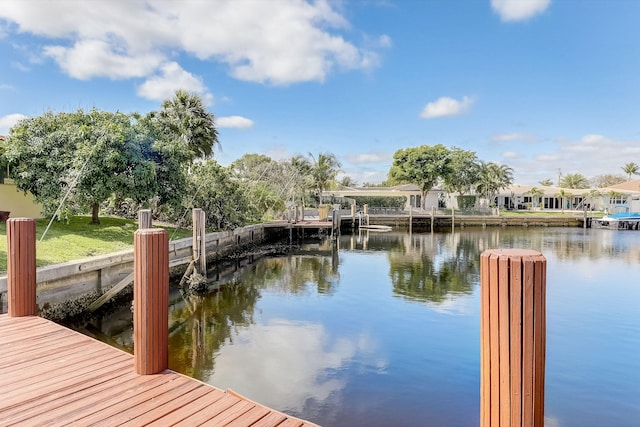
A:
[51,375]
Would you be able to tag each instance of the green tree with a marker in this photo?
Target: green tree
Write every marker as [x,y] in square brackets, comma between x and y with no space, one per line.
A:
[347,181]
[563,195]
[323,171]
[591,196]
[574,180]
[631,169]
[79,158]
[493,179]
[536,194]
[463,175]
[422,166]
[546,182]
[219,196]
[185,120]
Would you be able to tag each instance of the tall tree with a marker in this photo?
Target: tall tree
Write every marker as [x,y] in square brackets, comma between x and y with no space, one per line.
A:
[220,196]
[563,195]
[535,194]
[79,158]
[347,181]
[493,179]
[464,174]
[574,180]
[184,119]
[422,166]
[631,169]
[323,171]
[607,180]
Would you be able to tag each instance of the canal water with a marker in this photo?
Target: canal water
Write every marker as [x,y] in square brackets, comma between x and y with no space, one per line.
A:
[382,329]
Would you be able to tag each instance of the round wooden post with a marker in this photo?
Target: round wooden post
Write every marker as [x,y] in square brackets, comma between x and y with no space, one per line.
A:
[200,240]
[144,219]
[151,301]
[513,338]
[21,266]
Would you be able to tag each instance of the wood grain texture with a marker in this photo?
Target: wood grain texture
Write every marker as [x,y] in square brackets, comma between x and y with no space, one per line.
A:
[76,380]
[513,338]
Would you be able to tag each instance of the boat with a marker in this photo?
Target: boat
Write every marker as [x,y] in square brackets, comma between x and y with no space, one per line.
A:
[618,221]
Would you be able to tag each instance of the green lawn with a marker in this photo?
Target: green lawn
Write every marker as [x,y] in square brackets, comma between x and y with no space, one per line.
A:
[79,239]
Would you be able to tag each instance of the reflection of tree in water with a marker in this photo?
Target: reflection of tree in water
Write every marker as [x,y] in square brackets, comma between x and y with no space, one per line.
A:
[435,267]
[295,274]
[201,325]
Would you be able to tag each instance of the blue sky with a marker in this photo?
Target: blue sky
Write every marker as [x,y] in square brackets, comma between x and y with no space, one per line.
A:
[544,86]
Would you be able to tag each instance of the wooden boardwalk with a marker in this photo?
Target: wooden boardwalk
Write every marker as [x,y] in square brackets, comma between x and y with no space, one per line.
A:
[51,375]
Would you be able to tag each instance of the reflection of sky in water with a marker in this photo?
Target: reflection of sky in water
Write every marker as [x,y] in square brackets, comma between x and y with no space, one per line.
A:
[284,363]
[374,347]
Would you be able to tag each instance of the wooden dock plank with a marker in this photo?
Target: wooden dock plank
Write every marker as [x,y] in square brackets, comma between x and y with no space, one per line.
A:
[272,419]
[163,409]
[50,375]
[69,390]
[250,417]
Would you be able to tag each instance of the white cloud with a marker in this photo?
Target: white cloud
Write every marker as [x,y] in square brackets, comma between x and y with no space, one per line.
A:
[237,122]
[510,155]
[294,42]
[6,122]
[6,87]
[171,78]
[285,363]
[373,157]
[99,58]
[446,107]
[519,10]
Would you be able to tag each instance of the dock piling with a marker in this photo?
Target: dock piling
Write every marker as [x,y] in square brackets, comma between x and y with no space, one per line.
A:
[21,266]
[151,301]
[512,323]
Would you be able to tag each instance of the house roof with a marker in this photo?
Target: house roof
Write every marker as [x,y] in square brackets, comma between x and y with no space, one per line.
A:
[633,185]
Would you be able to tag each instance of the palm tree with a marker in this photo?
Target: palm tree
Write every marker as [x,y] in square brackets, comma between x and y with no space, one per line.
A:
[323,170]
[546,182]
[493,178]
[535,193]
[574,180]
[631,169]
[592,194]
[185,118]
[563,194]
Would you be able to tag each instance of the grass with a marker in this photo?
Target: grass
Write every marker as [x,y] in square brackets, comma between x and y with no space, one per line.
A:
[79,239]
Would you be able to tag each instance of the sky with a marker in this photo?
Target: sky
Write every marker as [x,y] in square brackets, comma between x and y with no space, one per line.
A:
[547,87]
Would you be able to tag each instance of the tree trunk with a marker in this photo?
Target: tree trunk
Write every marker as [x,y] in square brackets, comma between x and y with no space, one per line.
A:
[95,211]
[423,202]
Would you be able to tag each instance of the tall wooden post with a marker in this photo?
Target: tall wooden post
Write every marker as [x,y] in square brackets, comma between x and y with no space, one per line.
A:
[144,219]
[353,215]
[151,301]
[199,241]
[21,266]
[513,338]
[433,214]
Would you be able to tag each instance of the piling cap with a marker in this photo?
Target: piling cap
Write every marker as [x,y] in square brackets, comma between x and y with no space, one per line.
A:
[512,252]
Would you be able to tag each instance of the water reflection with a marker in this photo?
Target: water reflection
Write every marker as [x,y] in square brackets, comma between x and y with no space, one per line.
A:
[288,365]
[383,328]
